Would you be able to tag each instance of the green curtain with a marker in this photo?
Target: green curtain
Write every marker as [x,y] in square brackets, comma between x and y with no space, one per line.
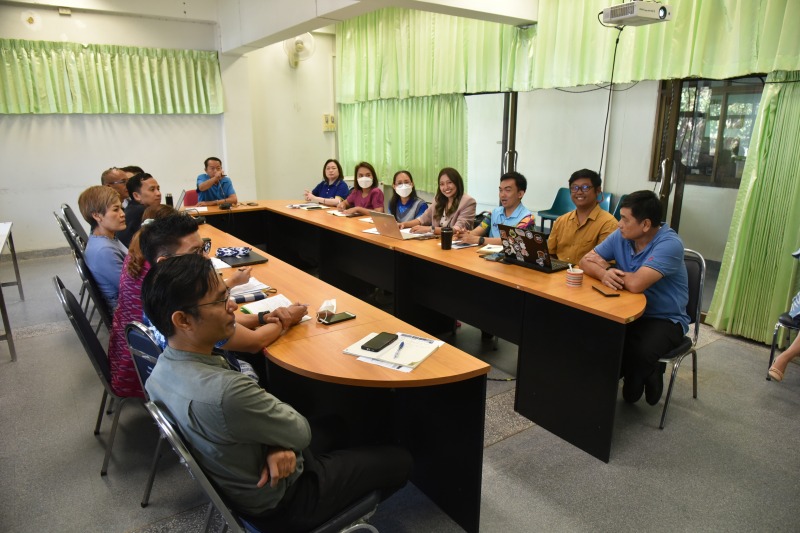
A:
[421,135]
[400,53]
[758,276]
[51,77]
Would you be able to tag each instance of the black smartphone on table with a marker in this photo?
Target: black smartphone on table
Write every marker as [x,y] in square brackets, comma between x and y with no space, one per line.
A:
[608,293]
[330,318]
[379,342]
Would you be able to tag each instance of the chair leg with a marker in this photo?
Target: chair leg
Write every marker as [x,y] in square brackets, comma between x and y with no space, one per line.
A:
[209,515]
[156,457]
[772,351]
[110,406]
[111,438]
[694,374]
[669,391]
[100,413]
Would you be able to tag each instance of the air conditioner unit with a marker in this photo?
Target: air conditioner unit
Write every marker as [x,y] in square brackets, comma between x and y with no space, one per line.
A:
[636,14]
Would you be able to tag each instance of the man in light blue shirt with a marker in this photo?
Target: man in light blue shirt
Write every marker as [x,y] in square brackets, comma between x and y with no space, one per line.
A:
[214,187]
[649,260]
[510,212]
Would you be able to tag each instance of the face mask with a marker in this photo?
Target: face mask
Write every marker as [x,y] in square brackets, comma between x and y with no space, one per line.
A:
[404,190]
[365,182]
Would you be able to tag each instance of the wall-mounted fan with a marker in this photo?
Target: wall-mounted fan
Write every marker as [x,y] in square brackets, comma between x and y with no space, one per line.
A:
[299,48]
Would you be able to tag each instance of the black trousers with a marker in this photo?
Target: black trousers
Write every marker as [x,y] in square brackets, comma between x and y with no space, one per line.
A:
[331,481]
[646,341]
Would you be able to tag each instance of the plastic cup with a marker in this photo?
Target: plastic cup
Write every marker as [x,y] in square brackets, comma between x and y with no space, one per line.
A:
[574,277]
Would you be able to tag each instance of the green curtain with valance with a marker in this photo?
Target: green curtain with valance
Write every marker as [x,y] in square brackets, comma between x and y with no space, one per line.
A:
[421,135]
[759,276]
[38,77]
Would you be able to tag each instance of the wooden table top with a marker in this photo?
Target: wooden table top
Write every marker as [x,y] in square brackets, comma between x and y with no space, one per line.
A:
[314,350]
[623,309]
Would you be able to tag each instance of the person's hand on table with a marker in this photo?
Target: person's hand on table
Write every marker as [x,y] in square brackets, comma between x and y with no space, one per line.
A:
[280,464]
[297,311]
[350,211]
[614,278]
[421,229]
[282,315]
[466,237]
[310,197]
[240,276]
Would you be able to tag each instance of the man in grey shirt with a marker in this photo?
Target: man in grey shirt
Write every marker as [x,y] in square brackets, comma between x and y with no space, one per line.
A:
[253,446]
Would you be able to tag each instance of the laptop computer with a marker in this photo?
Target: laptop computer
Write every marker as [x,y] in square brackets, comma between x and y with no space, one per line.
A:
[179,203]
[528,248]
[252,259]
[387,226]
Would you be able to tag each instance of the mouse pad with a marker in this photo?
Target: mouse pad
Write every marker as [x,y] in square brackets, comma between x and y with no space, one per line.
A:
[252,259]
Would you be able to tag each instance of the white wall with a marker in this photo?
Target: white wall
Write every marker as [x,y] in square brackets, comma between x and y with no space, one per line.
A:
[287,107]
[50,159]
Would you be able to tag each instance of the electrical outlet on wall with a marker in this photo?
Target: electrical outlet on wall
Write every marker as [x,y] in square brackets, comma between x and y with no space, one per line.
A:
[328,123]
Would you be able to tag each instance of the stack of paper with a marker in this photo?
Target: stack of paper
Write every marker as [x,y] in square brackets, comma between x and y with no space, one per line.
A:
[308,206]
[405,354]
[253,285]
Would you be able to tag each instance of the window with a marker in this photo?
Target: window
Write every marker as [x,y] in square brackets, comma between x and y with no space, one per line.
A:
[711,128]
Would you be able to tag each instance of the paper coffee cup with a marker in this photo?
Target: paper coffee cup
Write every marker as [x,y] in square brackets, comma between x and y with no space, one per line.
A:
[574,277]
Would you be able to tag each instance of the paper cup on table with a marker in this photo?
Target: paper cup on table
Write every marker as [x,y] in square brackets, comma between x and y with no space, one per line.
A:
[574,277]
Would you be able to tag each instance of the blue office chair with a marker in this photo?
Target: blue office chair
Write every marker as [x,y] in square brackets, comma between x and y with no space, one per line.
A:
[145,351]
[561,205]
[619,205]
[98,357]
[696,269]
[605,203]
[344,522]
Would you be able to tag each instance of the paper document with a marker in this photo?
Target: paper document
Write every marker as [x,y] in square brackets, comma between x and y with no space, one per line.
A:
[219,263]
[253,285]
[373,231]
[366,219]
[308,206]
[490,249]
[269,305]
[407,351]
[457,245]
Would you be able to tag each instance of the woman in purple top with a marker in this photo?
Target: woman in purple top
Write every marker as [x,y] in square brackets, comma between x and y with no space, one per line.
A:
[367,194]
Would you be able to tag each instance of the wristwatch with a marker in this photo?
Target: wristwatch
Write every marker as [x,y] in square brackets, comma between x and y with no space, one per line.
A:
[261,316]
[481,241]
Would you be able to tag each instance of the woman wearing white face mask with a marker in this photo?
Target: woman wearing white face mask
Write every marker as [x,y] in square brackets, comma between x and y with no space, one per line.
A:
[367,195]
[405,205]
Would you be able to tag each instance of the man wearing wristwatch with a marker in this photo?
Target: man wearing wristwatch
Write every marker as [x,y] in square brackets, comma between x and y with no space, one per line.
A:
[214,187]
[510,212]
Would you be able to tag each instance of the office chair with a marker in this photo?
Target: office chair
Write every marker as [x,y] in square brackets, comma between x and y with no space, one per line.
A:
[100,304]
[343,522]
[75,225]
[62,225]
[788,323]
[98,357]
[696,269]
[619,205]
[561,204]
[605,201]
[144,351]
[190,198]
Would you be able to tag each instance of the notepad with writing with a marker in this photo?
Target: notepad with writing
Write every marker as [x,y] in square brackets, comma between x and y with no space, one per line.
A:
[407,351]
[269,305]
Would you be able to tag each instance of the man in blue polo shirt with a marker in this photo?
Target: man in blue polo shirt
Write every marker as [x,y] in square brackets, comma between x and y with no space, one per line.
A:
[214,187]
[510,212]
[649,260]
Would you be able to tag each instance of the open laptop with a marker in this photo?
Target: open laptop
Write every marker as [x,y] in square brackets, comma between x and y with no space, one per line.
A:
[179,203]
[387,226]
[528,248]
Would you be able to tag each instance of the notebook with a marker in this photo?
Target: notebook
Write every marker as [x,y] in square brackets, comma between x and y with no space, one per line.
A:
[387,226]
[528,248]
[405,353]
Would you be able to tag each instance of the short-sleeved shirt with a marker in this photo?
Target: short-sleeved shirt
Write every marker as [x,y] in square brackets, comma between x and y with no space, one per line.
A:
[520,218]
[218,191]
[338,189]
[570,241]
[229,422]
[666,298]
[373,200]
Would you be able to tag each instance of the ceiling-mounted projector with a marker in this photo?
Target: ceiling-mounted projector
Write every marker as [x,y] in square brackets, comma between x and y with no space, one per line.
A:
[636,13]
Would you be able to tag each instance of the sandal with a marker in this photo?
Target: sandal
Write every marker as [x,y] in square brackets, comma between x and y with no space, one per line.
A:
[775,374]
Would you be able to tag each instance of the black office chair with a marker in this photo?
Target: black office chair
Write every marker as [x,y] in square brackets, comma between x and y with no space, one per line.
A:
[344,522]
[98,357]
[62,225]
[696,269]
[100,304]
[75,225]
[785,321]
[145,351]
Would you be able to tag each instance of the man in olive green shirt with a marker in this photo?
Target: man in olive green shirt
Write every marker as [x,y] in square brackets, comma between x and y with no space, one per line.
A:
[253,446]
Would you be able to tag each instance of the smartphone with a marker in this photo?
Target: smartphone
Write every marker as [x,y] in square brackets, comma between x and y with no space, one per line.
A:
[379,342]
[609,293]
[497,258]
[338,317]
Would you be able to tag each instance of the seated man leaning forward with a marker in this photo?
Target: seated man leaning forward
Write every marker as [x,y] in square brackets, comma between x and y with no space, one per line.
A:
[510,212]
[214,186]
[253,446]
[575,233]
[649,257]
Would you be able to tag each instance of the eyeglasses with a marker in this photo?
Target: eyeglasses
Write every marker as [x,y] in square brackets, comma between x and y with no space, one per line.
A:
[206,247]
[222,301]
[584,188]
[122,181]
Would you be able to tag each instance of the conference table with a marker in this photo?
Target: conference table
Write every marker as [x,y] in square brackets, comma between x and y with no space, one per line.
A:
[570,339]
[437,411]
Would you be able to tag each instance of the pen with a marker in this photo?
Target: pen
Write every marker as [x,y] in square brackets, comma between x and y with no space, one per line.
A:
[402,343]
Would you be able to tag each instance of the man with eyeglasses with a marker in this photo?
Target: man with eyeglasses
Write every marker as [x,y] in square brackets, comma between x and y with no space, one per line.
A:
[510,212]
[116,178]
[254,447]
[576,233]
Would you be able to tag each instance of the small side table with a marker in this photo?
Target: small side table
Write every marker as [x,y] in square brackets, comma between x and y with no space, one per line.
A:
[5,237]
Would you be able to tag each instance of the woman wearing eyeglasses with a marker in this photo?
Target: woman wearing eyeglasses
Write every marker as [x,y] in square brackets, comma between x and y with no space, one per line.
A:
[577,233]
